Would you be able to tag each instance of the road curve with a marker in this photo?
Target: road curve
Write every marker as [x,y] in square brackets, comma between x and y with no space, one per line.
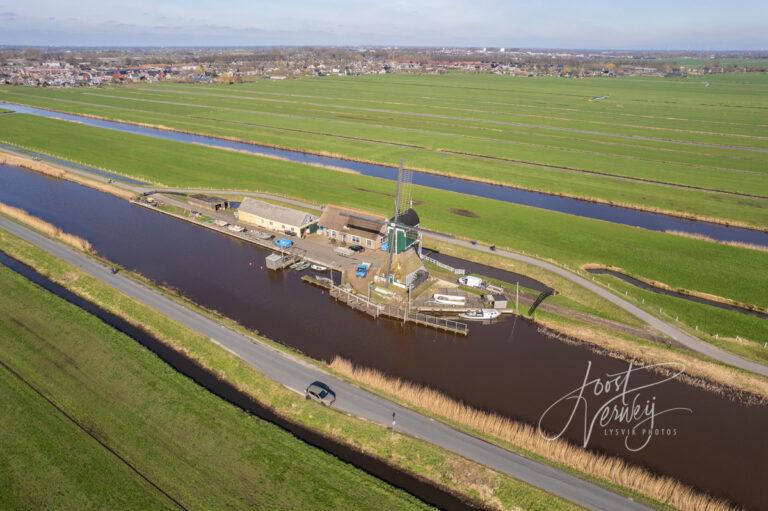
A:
[296,374]
[672,331]
[658,324]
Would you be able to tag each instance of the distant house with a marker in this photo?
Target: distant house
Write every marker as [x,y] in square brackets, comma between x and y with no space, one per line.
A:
[354,227]
[276,218]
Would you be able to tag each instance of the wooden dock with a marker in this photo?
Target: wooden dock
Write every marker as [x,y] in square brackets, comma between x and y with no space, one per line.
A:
[361,303]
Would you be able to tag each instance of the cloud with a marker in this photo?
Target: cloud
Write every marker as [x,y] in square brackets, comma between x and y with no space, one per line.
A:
[509,23]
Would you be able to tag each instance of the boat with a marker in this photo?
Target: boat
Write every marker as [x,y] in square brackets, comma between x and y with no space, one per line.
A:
[262,235]
[449,299]
[480,314]
[318,267]
[303,265]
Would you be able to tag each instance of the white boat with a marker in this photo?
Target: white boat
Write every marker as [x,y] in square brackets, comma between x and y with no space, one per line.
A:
[480,314]
[318,267]
[449,299]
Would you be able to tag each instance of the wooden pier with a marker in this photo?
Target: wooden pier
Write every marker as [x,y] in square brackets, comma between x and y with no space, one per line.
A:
[361,303]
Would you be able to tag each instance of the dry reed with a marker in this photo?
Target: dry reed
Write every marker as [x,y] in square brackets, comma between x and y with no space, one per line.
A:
[612,469]
[59,173]
[44,227]
[703,237]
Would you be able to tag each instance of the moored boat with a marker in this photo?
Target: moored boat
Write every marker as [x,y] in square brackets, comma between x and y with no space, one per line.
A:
[480,314]
[318,267]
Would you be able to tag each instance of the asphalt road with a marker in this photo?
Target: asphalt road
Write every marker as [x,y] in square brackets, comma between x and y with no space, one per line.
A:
[296,374]
[675,333]
[672,331]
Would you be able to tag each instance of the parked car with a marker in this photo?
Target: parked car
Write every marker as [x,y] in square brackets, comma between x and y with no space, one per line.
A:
[362,270]
[356,248]
[320,392]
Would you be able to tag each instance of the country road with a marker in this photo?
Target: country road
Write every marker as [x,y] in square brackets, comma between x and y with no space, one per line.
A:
[296,374]
[672,331]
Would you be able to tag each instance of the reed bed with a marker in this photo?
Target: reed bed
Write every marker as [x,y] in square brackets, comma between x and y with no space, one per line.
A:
[59,173]
[46,228]
[703,237]
[524,436]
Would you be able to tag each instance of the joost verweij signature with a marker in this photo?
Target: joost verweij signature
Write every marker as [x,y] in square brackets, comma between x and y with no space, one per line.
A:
[626,409]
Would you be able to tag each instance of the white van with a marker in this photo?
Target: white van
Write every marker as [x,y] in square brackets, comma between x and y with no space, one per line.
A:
[471,281]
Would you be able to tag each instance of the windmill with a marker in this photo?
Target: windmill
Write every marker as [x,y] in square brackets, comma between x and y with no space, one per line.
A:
[400,225]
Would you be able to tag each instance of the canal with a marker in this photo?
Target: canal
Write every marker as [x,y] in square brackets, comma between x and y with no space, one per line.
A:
[211,382]
[510,367]
[615,214]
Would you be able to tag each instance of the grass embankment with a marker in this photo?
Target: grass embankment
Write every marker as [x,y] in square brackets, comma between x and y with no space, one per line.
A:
[615,470]
[733,331]
[542,134]
[422,459]
[730,272]
[89,414]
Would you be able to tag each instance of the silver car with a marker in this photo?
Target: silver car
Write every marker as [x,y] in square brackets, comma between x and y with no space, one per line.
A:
[320,392]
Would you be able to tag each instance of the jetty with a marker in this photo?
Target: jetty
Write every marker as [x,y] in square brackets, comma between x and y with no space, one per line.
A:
[375,310]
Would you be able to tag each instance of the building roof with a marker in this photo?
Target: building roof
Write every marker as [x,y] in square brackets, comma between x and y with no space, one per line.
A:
[408,218]
[352,221]
[405,263]
[276,213]
[207,198]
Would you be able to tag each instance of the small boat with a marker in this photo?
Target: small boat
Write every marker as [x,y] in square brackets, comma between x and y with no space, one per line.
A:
[450,299]
[301,266]
[318,267]
[262,235]
[320,278]
[480,314]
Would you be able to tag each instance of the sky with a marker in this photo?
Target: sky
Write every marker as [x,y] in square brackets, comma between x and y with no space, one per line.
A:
[593,24]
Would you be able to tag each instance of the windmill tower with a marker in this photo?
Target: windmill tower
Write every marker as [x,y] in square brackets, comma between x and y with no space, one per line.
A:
[400,231]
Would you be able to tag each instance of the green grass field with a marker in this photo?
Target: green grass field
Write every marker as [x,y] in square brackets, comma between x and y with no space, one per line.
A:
[545,134]
[197,448]
[731,272]
[415,456]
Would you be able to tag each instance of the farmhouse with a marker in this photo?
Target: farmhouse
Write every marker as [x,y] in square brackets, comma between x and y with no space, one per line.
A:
[207,202]
[276,218]
[353,227]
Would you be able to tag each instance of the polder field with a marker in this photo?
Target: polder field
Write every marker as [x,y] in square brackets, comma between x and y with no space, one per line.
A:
[92,420]
[696,146]
[678,132]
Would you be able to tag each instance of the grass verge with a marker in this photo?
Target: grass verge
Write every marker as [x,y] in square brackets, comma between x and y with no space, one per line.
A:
[426,461]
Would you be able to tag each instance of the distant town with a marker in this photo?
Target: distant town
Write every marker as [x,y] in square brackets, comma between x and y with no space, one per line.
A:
[82,67]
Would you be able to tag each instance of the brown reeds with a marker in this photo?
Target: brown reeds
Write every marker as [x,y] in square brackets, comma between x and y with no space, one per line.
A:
[703,237]
[60,173]
[44,227]
[524,436]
